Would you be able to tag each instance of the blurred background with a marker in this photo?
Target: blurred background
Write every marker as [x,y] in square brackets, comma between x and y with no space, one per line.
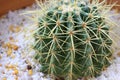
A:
[6,5]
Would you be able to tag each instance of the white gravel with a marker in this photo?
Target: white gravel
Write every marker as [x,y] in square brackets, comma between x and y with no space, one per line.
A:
[24,55]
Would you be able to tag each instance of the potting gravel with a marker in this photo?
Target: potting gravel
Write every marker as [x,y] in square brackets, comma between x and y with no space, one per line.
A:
[16,53]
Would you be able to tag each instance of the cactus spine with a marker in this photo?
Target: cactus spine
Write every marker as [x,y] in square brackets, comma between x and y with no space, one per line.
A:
[72,39]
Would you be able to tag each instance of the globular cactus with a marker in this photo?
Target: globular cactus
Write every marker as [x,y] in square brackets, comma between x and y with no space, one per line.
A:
[72,39]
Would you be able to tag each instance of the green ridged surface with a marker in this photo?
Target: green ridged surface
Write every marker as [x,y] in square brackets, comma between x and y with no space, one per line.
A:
[73,44]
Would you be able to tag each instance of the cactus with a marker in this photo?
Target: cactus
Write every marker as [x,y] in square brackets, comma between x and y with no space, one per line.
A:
[72,39]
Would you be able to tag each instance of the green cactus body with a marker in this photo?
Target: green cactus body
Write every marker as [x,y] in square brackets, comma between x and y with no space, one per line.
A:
[73,43]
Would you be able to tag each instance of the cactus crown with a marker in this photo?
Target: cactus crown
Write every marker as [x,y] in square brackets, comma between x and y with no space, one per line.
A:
[72,38]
